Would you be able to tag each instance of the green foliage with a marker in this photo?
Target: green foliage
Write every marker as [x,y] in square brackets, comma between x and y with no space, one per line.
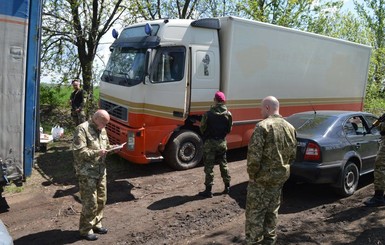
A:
[54,95]
[374,99]
[289,13]
[55,107]
[372,12]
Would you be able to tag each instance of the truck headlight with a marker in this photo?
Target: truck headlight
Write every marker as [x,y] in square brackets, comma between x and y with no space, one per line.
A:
[130,141]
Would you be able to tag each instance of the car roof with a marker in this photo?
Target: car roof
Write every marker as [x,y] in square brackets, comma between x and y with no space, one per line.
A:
[331,112]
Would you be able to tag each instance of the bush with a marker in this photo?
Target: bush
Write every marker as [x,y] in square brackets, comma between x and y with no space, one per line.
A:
[374,99]
[55,108]
[55,95]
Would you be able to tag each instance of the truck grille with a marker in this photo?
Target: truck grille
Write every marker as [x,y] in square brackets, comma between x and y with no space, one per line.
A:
[115,110]
[112,131]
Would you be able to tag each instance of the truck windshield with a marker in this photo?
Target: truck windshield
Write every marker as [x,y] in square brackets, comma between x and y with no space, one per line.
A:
[125,67]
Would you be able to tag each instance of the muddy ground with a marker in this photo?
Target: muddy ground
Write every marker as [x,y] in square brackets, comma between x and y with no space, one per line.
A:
[153,204]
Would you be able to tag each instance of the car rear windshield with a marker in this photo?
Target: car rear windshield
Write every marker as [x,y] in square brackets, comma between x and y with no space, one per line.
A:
[311,124]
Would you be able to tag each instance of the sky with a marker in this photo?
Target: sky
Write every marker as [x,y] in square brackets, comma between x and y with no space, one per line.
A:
[349,5]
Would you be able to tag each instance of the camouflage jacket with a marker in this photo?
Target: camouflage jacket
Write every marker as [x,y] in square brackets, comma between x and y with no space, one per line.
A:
[217,122]
[87,142]
[381,128]
[271,150]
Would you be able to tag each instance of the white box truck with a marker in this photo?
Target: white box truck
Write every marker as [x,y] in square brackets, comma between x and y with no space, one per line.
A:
[20,23]
[162,76]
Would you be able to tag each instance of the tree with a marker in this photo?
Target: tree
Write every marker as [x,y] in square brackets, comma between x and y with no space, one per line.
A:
[71,32]
[373,14]
[289,13]
[153,9]
[217,8]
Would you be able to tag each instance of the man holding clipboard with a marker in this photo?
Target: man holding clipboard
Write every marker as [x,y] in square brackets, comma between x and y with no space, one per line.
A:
[90,147]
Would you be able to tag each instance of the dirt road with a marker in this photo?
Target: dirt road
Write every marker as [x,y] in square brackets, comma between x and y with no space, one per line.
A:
[152,204]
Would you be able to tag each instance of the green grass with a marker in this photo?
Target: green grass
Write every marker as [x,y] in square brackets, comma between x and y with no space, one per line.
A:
[13,189]
[58,96]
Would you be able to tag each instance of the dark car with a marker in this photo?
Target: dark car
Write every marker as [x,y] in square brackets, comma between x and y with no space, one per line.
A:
[334,147]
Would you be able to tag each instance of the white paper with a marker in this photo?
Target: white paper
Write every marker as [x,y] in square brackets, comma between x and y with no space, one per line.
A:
[118,147]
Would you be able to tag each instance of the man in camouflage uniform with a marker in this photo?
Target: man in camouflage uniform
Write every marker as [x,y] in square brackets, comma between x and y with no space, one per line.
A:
[271,150]
[90,145]
[77,103]
[215,125]
[379,169]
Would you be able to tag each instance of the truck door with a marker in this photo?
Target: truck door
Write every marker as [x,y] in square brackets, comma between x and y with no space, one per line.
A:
[167,92]
[204,75]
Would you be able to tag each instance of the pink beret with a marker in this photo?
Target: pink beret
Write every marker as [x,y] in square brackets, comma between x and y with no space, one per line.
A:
[220,97]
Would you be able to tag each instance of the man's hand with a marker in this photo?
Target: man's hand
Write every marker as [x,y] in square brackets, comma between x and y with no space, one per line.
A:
[378,121]
[102,152]
[382,118]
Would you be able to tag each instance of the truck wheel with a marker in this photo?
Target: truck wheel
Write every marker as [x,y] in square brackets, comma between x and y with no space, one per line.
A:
[184,150]
[349,181]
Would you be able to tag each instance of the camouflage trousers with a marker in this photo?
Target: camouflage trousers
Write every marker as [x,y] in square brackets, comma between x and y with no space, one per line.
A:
[93,193]
[214,151]
[262,204]
[78,117]
[379,168]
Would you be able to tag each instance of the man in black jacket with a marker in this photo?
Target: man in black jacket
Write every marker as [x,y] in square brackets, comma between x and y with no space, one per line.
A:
[77,103]
[215,125]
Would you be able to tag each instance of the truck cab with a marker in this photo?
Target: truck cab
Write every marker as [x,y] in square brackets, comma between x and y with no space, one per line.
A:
[161,76]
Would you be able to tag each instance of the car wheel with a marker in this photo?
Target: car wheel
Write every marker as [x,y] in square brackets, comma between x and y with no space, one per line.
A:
[184,150]
[349,179]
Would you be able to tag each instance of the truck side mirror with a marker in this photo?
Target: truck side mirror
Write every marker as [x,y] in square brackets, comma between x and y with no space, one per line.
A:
[147,68]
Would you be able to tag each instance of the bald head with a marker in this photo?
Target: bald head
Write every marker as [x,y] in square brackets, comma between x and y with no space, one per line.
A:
[269,106]
[101,118]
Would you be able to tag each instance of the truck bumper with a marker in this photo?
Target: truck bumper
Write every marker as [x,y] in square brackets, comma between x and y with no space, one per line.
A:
[135,150]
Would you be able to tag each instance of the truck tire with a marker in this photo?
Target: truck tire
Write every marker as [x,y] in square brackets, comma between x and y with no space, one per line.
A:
[184,150]
[349,180]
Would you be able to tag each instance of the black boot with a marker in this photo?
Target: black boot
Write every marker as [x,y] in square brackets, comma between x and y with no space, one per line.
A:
[377,200]
[207,192]
[3,203]
[227,189]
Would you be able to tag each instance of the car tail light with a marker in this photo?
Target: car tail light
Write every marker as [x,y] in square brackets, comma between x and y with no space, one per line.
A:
[312,152]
